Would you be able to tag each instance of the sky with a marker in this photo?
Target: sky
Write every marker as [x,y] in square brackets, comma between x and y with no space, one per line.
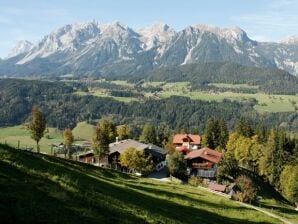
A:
[263,20]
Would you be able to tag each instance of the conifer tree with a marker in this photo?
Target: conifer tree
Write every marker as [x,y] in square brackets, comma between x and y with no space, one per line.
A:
[244,128]
[224,133]
[148,134]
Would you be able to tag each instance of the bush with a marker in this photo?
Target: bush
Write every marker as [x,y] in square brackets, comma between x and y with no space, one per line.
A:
[196,181]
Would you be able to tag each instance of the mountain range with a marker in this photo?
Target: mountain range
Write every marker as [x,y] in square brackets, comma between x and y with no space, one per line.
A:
[93,48]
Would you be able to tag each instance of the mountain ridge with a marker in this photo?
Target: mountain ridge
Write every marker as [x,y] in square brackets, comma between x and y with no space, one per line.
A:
[95,48]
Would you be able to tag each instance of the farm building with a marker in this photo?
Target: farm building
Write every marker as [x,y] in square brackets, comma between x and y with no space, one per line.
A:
[186,142]
[203,162]
[117,148]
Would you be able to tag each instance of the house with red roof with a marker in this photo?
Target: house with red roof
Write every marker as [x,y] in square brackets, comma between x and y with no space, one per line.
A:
[203,162]
[186,142]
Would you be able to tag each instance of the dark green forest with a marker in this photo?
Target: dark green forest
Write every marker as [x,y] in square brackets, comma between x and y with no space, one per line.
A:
[272,81]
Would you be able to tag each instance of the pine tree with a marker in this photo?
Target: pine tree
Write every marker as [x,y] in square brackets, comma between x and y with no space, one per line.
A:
[37,126]
[212,134]
[208,139]
[224,133]
[271,164]
[261,132]
[244,128]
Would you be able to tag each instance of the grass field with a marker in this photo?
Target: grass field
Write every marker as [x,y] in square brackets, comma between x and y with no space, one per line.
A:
[266,102]
[83,131]
[103,93]
[15,134]
[40,188]
[233,86]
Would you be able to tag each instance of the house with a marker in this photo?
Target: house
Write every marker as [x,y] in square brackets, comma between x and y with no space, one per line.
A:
[87,157]
[186,142]
[203,162]
[158,154]
[117,148]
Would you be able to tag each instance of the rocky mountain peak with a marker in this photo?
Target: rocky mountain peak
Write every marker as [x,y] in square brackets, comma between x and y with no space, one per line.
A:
[22,46]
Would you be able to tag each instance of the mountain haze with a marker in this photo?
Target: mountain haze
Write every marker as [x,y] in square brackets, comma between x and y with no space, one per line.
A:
[101,49]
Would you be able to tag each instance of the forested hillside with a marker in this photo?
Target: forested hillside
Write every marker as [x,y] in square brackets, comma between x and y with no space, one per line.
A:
[63,109]
[201,74]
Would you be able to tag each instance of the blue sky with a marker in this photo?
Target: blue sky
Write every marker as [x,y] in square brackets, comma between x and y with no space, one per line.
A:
[264,20]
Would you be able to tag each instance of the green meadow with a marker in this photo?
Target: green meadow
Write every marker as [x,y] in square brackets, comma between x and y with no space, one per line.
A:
[19,136]
[266,102]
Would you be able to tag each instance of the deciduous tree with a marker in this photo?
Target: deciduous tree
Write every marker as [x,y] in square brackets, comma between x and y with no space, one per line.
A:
[124,132]
[137,160]
[176,164]
[37,126]
[68,140]
[247,188]
[105,133]
[289,182]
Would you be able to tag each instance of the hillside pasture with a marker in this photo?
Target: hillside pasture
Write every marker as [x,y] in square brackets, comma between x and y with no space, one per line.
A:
[20,135]
[40,188]
[266,102]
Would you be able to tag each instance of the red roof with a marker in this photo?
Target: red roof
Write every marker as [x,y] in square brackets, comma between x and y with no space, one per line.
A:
[181,138]
[217,187]
[182,148]
[205,153]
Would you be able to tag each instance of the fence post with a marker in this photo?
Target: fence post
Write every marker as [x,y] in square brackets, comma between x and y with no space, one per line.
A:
[18,144]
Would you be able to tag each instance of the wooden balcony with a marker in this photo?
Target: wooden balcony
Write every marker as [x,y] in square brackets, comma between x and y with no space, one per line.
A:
[202,165]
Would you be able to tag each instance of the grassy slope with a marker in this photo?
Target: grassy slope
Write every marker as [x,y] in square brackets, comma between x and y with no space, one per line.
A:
[83,131]
[46,189]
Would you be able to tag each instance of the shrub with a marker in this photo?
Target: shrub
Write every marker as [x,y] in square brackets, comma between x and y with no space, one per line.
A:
[248,191]
[196,181]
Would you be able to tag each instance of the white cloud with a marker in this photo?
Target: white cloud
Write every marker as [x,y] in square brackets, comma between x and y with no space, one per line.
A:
[273,22]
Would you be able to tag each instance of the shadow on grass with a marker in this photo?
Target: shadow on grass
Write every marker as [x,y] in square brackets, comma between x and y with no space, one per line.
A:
[88,194]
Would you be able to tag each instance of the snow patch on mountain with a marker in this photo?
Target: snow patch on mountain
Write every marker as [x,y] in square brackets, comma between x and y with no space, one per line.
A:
[21,47]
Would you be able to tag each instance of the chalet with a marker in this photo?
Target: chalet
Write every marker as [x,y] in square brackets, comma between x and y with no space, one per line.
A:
[186,142]
[117,148]
[87,157]
[203,162]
